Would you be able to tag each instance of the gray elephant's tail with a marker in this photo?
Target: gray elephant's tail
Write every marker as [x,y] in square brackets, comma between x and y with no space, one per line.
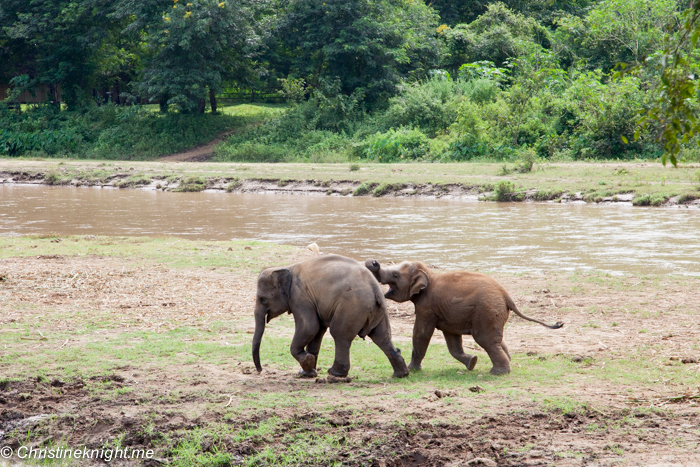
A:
[511,306]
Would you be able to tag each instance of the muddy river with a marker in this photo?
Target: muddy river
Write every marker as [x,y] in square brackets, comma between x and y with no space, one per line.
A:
[452,233]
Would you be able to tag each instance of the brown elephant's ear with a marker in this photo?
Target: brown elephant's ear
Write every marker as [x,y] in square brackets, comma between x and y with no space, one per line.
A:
[418,282]
[284,281]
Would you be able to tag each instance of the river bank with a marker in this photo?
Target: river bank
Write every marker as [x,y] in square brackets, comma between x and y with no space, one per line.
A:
[644,184]
[145,343]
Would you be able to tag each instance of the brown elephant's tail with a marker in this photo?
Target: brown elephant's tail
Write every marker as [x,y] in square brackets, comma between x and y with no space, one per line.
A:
[511,306]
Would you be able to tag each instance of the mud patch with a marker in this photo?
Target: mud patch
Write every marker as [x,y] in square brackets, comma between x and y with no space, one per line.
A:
[533,436]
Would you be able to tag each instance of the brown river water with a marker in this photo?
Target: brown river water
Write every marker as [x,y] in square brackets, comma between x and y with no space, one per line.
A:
[509,237]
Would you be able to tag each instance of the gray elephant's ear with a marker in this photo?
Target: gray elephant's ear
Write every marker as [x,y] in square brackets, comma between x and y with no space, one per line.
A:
[419,281]
[283,277]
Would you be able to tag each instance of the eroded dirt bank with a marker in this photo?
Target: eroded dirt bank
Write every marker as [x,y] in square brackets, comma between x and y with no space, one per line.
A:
[642,184]
[130,351]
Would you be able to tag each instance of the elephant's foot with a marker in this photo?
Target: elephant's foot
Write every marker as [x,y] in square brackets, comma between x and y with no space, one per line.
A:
[340,371]
[414,367]
[401,373]
[471,363]
[308,363]
[307,374]
[500,370]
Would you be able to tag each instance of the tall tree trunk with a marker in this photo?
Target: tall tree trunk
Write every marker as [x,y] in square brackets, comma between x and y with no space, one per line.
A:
[163,102]
[212,100]
[202,105]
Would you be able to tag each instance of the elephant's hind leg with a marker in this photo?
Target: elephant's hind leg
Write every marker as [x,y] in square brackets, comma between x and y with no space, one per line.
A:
[505,348]
[305,332]
[493,345]
[341,364]
[381,335]
[314,346]
[454,345]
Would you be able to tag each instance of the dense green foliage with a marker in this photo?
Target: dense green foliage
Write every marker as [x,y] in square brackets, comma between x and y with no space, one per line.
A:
[385,80]
[107,132]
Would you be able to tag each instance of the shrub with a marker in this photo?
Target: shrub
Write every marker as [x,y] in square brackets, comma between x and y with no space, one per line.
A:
[397,145]
[505,191]
[430,105]
[526,161]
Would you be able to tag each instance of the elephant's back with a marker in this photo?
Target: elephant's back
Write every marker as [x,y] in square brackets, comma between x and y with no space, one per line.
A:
[339,277]
[334,269]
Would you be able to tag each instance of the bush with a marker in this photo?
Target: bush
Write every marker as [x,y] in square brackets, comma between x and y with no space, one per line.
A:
[429,105]
[649,200]
[505,191]
[404,144]
[107,132]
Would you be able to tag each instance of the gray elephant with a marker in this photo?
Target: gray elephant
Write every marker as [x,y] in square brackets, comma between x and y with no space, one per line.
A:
[329,292]
[457,303]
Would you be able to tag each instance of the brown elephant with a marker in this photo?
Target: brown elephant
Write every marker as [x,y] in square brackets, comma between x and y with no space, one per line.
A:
[330,292]
[457,303]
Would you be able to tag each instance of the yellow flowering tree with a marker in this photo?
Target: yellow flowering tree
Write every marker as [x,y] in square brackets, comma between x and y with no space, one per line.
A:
[193,46]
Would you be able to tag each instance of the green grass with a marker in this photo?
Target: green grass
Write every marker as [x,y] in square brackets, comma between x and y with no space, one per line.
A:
[169,251]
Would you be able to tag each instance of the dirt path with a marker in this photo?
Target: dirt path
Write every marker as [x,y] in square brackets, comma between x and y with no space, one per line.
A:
[198,154]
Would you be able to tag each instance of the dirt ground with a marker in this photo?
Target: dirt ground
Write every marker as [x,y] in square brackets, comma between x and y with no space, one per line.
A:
[608,320]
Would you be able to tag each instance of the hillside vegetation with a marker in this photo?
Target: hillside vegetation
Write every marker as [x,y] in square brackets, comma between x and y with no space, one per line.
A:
[377,81]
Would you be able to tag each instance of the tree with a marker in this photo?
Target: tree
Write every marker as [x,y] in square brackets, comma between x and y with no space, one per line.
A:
[57,41]
[192,45]
[453,12]
[496,36]
[676,106]
[615,31]
[369,45]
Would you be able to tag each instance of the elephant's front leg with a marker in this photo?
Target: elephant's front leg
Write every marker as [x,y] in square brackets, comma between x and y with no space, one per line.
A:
[306,330]
[454,345]
[423,330]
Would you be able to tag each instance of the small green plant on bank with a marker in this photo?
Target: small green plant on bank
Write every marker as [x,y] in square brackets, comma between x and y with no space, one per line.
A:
[191,184]
[364,189]
[505,191]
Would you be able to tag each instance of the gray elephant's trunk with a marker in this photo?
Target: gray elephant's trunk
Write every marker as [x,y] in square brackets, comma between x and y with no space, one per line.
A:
[260,315]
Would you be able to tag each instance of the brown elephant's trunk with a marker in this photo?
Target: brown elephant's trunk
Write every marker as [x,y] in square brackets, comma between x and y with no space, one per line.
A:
[260,315]
[375,268]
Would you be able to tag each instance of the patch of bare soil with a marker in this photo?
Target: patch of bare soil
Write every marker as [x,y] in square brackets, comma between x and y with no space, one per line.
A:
[520,436]
[198,154]
[156,407]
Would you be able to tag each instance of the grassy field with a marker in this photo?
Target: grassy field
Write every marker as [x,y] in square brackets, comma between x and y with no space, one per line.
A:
[145,343]
[648,183]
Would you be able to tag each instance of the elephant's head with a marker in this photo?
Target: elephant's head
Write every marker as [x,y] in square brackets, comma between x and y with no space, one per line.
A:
[404,280]
[272,300]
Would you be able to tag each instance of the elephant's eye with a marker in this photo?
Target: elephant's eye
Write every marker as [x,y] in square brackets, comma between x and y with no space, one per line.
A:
[263,300]
[396,275]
